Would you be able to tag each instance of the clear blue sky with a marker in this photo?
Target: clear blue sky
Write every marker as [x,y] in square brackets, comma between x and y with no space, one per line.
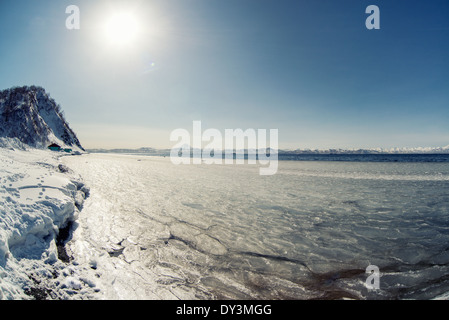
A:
[308,68]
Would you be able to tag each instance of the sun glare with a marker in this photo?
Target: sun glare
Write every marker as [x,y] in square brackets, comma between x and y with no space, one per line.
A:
[122,29]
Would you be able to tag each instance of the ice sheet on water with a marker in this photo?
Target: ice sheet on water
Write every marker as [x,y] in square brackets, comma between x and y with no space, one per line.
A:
[309,231]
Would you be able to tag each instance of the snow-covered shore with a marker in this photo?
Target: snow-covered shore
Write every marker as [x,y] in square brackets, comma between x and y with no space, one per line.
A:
[39,199]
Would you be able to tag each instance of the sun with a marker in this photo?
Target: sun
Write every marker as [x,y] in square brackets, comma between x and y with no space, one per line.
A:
[122,28]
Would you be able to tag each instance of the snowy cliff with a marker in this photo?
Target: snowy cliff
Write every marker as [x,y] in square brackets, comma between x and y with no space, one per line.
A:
[40,198]
[34,118]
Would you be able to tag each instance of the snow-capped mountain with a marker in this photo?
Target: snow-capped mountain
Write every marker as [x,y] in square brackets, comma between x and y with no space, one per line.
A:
[29,114]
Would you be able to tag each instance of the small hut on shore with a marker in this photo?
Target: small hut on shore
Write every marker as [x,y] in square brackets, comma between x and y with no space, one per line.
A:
[55,147]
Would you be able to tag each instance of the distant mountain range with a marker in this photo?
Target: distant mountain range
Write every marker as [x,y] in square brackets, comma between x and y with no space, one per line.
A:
[30,115]
[419,150]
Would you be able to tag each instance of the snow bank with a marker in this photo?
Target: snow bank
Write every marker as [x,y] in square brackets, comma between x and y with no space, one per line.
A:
[38,198]
[12,144]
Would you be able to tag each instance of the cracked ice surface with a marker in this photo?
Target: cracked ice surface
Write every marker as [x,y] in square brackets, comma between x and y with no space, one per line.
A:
[124,233]
[153,230]
[150,231]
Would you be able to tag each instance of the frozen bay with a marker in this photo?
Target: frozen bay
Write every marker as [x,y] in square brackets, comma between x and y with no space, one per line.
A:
[154,230]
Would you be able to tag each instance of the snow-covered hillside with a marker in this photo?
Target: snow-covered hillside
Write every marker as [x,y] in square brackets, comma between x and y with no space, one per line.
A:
[32,116]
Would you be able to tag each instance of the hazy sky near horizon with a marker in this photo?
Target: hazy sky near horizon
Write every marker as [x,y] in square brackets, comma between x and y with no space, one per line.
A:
[310,69]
